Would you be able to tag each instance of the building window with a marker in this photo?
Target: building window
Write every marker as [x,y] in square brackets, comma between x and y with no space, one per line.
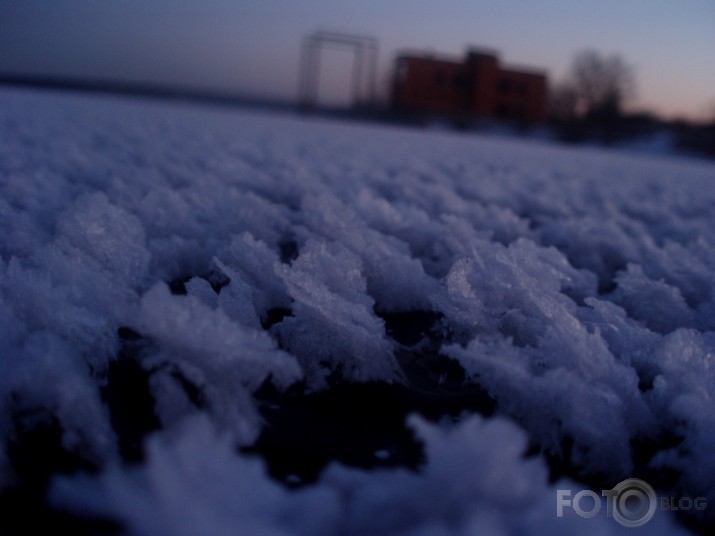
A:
[402,70]
[462,81]
[504,87]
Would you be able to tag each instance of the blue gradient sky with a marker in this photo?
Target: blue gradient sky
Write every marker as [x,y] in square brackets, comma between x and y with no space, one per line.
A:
[253,46]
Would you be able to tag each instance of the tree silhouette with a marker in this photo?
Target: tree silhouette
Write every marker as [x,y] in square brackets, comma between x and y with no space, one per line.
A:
[589,103]
[602,84]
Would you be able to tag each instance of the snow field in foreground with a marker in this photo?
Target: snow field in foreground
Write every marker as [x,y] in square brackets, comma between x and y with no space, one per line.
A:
[222,251]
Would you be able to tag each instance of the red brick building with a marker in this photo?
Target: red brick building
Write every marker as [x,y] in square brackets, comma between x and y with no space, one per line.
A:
[477,87]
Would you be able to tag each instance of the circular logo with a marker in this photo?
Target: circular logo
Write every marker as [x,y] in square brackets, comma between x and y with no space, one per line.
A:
[634,502]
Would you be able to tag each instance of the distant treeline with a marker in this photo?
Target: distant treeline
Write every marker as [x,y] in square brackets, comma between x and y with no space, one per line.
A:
[588,106]
[619,129]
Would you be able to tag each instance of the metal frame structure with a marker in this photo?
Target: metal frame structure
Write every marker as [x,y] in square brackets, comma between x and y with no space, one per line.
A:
[364,66]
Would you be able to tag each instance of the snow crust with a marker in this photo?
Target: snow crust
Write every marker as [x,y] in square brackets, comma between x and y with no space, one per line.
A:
[576,287]
[476,482]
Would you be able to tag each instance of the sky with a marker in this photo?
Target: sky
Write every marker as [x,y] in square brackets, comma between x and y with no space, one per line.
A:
[253,47]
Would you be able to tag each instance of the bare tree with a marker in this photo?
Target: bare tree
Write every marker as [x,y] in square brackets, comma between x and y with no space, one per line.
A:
[602,84]
[589,103]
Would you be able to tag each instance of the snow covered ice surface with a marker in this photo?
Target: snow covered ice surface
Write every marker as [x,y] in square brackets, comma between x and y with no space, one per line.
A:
[494,320]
